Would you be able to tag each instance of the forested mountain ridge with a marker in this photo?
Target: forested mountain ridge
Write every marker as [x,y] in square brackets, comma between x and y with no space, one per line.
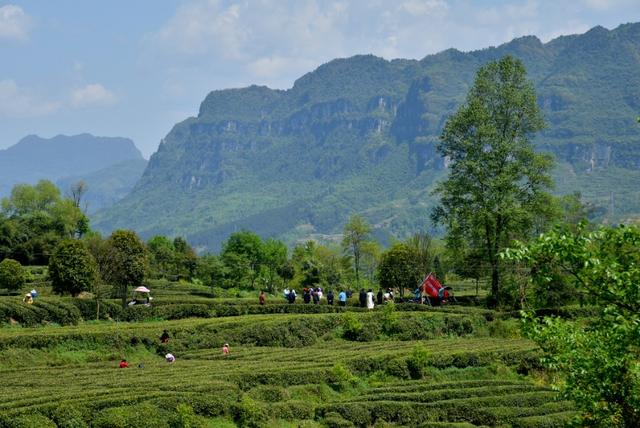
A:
[359,135]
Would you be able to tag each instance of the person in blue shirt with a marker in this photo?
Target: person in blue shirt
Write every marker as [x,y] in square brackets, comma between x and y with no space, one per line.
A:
[342,298]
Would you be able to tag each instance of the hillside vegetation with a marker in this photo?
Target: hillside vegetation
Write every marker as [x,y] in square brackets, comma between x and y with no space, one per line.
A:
[359,135]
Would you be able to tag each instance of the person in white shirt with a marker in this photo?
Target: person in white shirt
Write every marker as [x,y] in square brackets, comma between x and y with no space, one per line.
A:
[370,299]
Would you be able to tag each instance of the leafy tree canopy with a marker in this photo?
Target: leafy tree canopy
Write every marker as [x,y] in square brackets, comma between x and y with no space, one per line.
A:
[127,256]
[34,219]
[399,267]
[72,268]
[496,184]
[12,275]
[598,361]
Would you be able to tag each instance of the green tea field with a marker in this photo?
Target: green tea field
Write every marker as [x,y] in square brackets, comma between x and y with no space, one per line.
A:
[290,366]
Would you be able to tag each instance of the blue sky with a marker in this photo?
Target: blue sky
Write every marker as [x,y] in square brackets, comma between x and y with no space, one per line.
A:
[135,68]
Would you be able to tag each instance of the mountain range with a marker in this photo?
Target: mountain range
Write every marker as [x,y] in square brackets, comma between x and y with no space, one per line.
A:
[358,135]
[109,165]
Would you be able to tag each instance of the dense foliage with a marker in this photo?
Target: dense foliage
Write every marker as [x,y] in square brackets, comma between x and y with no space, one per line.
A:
[34,219]
[399,268]
[126,256]
[72,268]
[12,275]
[496,183]
[598,361]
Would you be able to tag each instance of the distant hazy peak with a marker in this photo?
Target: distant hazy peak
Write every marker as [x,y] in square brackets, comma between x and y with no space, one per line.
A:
[123,146]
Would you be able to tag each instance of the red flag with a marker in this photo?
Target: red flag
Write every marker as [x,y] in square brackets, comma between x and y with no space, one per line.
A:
[430,285]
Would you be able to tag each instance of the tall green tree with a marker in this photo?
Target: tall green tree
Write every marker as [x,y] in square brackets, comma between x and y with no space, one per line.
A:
[72,268]
[496,183]
[185,258]
[243,254]
[425,252]
[399,267]
[274,256]
[161,255]
[211,271]
[356,233]
[128,260]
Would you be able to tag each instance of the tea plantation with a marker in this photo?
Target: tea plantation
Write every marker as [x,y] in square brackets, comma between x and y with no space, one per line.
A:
[290,366]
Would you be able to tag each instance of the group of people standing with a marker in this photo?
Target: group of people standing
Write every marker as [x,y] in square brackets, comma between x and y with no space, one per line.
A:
[315,294]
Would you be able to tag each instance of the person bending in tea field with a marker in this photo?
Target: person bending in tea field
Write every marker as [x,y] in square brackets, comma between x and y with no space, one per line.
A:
[165,337]
[170,358]
[123,364]
[226,350]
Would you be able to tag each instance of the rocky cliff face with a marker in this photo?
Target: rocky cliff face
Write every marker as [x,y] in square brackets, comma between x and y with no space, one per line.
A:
[360,135]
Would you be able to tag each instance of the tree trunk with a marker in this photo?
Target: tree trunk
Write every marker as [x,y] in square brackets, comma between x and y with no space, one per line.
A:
[356,262]
[495,286]
[123,296]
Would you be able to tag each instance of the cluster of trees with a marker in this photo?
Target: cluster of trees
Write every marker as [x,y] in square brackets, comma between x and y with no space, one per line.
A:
[597,359]
[34,219]
[495,194]
[49,229]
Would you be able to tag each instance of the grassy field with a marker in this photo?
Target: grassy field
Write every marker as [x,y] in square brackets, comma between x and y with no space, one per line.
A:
[411,366]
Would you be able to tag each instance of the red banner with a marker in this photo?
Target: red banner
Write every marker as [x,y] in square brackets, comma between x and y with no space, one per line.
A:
[431,286]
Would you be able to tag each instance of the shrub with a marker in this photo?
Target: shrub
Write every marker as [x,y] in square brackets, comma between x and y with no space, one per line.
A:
[397,367]
[335,420]
[29,421]
[417,362]
[12,275]
[269,393]
[389,318]
[293,410]
[357,414]
[185,418]
[143,415]
[59,312]
[249,413]
[339,377]
[68,416]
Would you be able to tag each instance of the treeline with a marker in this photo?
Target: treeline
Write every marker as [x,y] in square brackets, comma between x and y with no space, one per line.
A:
[45,228]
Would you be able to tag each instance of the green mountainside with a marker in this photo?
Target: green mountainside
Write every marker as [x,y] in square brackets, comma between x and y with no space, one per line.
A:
[359,135]
[107,185]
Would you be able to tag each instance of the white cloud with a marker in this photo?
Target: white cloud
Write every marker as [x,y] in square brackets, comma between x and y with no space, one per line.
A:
[222,43]
[19,102]
[93,94]
[424,7]
[14,23]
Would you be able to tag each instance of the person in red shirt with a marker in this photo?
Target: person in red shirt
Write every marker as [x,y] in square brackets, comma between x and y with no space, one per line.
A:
[124,364]
[225,349]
